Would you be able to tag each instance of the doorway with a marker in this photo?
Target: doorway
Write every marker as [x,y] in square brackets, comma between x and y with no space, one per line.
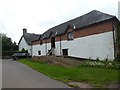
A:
[52,42]
[65,52]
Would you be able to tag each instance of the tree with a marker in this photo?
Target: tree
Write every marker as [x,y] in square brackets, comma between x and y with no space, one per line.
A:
[7,44]
[14,46]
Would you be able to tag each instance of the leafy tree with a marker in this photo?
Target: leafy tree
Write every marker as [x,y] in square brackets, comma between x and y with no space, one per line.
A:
[7,44]
[14,46]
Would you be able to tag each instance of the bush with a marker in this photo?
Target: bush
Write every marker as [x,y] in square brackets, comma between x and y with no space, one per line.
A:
[7,54]
[105,64]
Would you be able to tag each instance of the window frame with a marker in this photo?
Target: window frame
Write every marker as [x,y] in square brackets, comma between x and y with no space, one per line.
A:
[69,37]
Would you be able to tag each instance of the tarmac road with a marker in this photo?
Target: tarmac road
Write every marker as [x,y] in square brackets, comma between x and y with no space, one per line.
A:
[17,75]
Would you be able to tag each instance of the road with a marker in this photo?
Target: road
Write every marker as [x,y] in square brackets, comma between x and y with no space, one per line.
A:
[17,75]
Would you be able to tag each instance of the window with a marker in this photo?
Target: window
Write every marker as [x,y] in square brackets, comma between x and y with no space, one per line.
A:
[39,52]
[70,36]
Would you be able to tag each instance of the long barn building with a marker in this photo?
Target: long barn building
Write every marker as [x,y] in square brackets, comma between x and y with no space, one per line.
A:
[93,35]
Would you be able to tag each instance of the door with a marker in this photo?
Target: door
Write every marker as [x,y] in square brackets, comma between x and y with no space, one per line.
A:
[65,52]
[52,42]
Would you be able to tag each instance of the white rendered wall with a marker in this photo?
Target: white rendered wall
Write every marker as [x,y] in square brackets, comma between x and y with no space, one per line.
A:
[24,45]
[36,48]
[95,46]
[57,48]
[42,48]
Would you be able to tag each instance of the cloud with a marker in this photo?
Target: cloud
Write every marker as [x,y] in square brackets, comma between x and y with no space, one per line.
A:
[40,15]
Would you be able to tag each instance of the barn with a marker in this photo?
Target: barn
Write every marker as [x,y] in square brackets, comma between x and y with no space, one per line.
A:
[93,35]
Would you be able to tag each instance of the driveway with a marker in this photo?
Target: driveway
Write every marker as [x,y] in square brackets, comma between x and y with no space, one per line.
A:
[17,75]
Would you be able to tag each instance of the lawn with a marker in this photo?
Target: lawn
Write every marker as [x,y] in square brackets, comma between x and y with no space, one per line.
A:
[96,76]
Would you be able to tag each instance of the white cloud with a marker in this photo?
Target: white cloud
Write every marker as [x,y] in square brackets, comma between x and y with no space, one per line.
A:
[39,15]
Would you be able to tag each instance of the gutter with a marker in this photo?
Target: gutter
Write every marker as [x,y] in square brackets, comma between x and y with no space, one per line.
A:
[46,47]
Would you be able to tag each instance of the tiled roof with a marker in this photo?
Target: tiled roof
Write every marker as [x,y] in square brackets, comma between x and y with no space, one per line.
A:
[30,37]
[79,22]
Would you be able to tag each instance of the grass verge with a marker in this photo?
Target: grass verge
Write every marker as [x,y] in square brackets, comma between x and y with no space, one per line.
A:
[96,76]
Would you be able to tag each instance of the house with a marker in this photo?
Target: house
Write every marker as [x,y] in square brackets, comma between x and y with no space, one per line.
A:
[26,39]
[93,35]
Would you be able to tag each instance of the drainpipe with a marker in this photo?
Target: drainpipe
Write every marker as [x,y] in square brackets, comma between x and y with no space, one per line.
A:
[114,41]
[31,50]
[46,47]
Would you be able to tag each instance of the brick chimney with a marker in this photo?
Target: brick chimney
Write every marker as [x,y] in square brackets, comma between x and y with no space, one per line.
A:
[24,31]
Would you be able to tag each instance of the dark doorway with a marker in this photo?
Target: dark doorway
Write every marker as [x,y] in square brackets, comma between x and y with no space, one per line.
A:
[52,42]
[65,52]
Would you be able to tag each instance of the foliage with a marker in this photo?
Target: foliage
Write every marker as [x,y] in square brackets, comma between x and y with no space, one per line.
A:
[104,64]
[95,76]
[7,53]
[118,41]
[8,47]
[7,44]
[23,50]
[61,61]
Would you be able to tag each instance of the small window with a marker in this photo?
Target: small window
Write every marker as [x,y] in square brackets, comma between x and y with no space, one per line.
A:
[39,52]
[70,36]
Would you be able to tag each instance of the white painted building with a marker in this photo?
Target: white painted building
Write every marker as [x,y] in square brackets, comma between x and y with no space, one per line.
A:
[26,41]
[92,35]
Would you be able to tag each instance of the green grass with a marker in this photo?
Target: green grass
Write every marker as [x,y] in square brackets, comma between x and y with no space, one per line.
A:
[95,76]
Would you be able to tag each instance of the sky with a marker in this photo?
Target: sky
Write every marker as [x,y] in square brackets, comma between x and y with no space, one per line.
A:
[37,16]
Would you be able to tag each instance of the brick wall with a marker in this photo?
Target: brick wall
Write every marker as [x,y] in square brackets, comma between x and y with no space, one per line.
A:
[91,30]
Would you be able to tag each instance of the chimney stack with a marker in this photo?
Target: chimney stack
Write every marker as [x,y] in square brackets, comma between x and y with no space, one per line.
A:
[24,31]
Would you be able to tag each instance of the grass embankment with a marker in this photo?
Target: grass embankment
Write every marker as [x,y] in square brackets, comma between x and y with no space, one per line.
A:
[96,76]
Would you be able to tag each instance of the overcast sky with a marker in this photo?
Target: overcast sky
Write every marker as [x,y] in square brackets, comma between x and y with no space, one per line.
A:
[40,15]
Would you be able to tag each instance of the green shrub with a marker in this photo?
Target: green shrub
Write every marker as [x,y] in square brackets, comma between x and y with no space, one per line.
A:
[105,64]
